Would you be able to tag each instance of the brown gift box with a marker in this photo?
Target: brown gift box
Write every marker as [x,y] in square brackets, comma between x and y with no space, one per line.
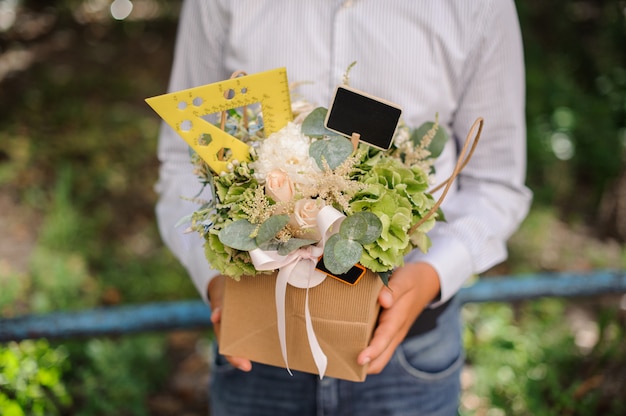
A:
[343,318]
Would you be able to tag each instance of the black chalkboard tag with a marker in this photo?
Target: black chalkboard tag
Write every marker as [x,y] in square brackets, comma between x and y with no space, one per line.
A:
[352,277]
[355,114]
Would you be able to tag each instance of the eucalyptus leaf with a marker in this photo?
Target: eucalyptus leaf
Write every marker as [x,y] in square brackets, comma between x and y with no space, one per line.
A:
[313,124]
[438,142]
[364,235]
[271,227]
[353,227]
[347,254]
[293,244]
[330,260]
[374,228]
[238,235]
[334,150]
[272,245]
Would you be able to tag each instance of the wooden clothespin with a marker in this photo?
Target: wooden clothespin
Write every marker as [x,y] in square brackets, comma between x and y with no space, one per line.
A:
[355,140]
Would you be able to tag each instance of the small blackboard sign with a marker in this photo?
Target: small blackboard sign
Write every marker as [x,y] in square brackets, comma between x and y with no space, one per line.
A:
[351,277]
[373,119]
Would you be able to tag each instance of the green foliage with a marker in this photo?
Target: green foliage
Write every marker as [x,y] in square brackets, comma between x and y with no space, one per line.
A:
[293,244]
[14,286]
[437,143]
[271,227]
[116,375]
[362,227]
[526,361]
[31,379]
[96,377]
[239,235]
[313,124]
[78,153]
[576,100]
[344,249]
[334,151]
[233,262]
[396,195]
[545,243]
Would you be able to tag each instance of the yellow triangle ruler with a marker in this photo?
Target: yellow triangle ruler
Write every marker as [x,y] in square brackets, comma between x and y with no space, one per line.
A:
[183,111]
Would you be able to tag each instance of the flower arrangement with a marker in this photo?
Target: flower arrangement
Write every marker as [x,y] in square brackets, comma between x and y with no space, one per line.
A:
[301,203]
[272,202]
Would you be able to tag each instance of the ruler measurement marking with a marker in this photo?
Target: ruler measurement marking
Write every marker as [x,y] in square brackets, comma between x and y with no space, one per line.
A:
[275,101]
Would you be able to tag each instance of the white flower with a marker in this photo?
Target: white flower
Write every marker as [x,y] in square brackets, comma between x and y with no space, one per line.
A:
[402,135]
[288,150]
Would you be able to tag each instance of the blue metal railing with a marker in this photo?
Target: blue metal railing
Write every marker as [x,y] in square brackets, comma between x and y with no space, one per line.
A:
[163,316]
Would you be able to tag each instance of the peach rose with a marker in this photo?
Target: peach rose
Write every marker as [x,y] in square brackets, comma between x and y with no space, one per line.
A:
[279,186]
[304,218]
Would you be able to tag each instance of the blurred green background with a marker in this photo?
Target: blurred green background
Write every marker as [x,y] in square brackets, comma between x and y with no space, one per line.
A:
[77,165]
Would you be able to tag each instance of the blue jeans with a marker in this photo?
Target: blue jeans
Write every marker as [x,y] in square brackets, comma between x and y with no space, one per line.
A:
[422,378]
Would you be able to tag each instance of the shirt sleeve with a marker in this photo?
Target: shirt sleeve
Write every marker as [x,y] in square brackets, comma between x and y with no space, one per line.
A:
[490,199]
[196,62]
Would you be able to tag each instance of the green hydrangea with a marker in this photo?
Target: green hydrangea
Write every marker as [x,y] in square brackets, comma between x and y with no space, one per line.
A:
[234,189]
[228,261]
[397,195]
[236,192]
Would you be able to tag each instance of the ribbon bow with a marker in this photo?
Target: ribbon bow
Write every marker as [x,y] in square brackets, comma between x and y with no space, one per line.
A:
[298,269]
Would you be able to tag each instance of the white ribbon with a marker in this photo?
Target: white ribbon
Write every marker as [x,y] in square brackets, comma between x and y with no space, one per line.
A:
[298,269]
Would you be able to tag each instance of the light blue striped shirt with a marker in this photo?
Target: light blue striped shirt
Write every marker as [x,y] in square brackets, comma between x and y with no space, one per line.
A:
[461,59]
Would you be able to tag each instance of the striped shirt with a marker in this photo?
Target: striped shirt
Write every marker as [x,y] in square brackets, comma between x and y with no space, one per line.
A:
[458,59]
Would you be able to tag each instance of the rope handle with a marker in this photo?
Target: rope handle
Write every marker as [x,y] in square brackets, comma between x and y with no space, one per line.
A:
[461,162]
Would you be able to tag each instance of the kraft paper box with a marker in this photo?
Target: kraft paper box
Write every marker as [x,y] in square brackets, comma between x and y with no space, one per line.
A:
[343,317]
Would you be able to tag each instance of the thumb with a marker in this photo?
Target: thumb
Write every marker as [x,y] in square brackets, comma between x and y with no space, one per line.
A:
[385,298]
[216,315]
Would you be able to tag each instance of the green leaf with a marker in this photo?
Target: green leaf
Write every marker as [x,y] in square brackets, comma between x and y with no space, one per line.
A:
[313,124]
[330,260]
[334,150]
[347,254]
[293,244]
[438,142]
[238,235]
[374,227]
[440,215]
[341,254]
[384,276]
[272,245]
[271,227]
[353,227]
